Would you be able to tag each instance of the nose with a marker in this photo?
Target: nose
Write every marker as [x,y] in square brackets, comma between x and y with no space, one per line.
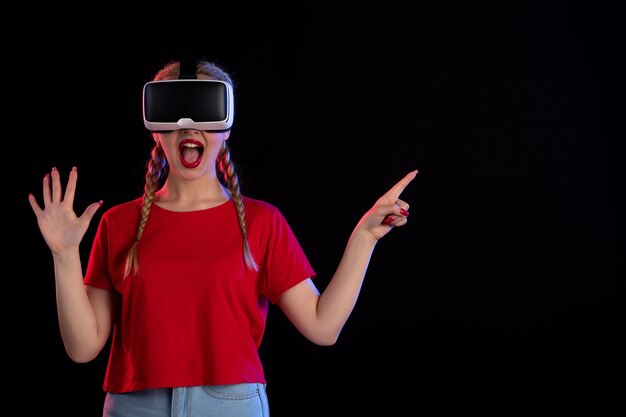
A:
[190,131]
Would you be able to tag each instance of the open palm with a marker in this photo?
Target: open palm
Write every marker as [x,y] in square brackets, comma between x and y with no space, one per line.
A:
[61,228]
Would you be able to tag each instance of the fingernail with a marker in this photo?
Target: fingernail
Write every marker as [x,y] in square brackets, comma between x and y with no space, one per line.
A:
[387,220]
[404,212]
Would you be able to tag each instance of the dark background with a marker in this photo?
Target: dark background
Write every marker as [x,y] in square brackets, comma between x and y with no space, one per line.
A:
[505,290]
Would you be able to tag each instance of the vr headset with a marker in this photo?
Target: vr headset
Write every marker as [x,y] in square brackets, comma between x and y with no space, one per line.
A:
[188,104]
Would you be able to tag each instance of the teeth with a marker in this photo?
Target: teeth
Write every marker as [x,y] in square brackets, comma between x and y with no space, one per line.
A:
[190,145]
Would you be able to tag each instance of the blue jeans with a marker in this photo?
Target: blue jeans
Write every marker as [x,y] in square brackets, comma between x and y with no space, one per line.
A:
[236,400]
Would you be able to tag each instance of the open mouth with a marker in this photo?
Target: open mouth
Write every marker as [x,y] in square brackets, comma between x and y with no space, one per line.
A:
[190,152]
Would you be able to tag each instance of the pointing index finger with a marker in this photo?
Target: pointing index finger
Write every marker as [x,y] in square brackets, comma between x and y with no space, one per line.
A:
[395,191]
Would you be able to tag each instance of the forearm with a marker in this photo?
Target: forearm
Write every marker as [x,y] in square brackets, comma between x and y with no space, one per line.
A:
[339,298]
[77,320]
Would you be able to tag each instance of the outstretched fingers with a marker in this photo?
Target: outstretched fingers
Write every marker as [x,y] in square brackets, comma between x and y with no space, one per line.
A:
[34,205]
[47,194]
[70,190]
[55,178]
[90,211]
[61,228]
[53,191]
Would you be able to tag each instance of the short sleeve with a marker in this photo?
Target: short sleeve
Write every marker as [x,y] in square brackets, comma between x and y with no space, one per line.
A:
[285,263]
[97,267]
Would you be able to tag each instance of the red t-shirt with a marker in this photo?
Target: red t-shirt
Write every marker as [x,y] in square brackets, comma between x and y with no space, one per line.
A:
[194,314]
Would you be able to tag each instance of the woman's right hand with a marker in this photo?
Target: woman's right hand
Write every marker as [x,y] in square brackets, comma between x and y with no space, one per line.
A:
[61,228]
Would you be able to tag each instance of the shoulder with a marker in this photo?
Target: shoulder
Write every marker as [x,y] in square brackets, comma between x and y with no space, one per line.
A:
[259,205]
[261,209]
[124,210]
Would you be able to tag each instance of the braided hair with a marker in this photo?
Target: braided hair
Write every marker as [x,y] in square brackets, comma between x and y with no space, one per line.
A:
[158,168]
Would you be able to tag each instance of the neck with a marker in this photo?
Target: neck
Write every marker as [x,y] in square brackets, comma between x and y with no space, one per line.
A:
[199,194]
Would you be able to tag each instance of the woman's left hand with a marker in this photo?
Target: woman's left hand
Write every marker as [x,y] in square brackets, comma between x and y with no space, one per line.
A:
[389,211]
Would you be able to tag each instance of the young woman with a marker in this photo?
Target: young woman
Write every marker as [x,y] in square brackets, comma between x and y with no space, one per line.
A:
[181,278]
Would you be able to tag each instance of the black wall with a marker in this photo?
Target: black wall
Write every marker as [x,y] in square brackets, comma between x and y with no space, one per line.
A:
[505,288]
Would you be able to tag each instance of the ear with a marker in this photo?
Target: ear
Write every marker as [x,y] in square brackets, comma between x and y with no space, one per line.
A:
[226,135]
